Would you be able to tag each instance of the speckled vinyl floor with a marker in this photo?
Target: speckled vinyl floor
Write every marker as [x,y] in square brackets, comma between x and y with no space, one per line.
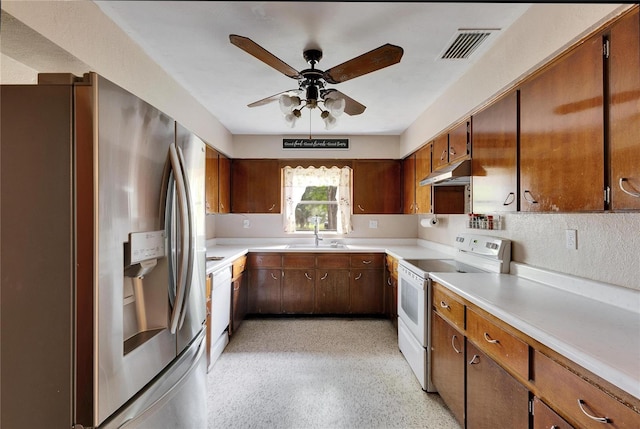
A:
[319,373]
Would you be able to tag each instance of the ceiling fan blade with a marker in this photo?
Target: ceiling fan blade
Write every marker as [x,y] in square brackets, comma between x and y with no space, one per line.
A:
[251,47]
[384,56]
[272,98]
[352,107]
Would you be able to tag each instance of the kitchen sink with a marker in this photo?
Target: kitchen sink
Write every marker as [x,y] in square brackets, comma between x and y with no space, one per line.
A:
[319,246]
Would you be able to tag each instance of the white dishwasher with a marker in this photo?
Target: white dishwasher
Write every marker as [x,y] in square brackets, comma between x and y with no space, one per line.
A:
[220,312]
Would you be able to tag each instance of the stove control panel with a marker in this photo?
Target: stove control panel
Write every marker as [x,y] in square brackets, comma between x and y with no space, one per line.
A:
[495,247]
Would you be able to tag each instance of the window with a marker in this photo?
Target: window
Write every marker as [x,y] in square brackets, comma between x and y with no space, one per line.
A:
[317,193]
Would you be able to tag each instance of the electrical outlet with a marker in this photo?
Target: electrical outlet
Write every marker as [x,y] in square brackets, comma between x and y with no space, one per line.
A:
[571,237]
[246,223]
[373,224]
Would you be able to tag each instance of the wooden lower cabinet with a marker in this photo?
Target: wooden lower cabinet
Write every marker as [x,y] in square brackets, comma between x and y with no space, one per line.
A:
[265,291]
[494,398]
[239,302]
[448,365]
[545,418]
[366,291]
[298,291]
[332,291]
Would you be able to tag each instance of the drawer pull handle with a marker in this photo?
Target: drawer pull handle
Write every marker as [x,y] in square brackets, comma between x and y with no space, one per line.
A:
[529,198]
[367,262]
[307,276]
[324,277]
[621,183]
[444,305]
[474,360]
[273,277]
[358,276]
[598,419]
[453,339]
[488,339]
[510,199]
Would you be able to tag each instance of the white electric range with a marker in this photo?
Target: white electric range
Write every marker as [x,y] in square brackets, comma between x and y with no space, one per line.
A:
[474,254]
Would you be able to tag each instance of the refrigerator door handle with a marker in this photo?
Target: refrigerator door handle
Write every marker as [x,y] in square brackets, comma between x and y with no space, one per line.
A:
[200,340]
[183,233]
[191,237]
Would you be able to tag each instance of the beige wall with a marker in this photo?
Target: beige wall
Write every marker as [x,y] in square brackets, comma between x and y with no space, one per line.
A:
[608,244]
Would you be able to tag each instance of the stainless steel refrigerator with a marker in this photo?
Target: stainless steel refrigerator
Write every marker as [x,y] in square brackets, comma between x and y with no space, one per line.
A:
[102,260]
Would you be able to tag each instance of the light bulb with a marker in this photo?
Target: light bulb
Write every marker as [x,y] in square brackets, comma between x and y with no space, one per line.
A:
[335,105]
[288,103]
[290,119]
[329,120]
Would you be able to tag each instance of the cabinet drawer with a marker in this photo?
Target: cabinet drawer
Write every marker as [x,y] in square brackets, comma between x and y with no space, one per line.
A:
[298,260]
[370,260]
[448,306]
[503,347]
[238,266]
[569,392]
[265,260]
[333,260]
[545,418]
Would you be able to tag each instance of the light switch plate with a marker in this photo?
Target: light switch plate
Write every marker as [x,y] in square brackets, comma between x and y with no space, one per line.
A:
[373,224]
[246,223]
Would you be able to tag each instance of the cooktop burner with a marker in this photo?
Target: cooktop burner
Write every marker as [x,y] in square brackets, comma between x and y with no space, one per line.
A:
[426,266]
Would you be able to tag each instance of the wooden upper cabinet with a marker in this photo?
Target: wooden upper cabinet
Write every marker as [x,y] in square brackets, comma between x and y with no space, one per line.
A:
[255,186]
[211,181]
[376,187]
[409,184]
[494,162]
[624,112]
[459,141]
[224,184]
[423,168]
[561,134]
[440,151]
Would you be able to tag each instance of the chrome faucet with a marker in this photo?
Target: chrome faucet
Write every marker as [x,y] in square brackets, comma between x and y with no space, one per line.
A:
[316,228]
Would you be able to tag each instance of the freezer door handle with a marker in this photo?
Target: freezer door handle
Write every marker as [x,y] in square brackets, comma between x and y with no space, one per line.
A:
[177,177]
[191,239]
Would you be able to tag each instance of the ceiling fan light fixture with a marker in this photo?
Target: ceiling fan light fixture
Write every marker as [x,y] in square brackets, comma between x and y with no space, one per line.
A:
[329,120]
[288,103]
[335,106]
[291,118]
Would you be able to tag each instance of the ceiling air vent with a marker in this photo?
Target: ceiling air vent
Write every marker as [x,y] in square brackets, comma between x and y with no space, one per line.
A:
[465,42]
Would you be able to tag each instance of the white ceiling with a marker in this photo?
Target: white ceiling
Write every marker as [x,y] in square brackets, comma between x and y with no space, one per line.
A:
[190,40]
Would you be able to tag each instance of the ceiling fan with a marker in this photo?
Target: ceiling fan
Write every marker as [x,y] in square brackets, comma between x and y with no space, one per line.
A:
[312,81]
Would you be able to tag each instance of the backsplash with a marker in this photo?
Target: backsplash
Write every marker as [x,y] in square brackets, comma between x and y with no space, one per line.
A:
[608,243]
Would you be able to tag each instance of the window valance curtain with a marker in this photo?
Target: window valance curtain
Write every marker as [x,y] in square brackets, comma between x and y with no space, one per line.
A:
[296,181]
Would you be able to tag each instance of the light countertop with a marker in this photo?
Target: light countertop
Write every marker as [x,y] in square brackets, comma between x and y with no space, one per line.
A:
[601,337]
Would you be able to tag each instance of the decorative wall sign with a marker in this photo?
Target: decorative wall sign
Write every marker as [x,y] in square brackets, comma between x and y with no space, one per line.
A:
[315,143]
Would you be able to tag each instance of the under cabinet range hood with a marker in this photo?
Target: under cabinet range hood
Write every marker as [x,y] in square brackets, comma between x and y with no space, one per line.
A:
[456,174]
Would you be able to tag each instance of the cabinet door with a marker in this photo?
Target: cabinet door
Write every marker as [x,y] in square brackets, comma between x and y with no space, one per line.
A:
[494,160]
[239,302]
[264,291]
[366,291]
[624,113]
[423,168]
[409,184]
[255,186]
[459,142]
[332,291]
[440,151]
[561,134]
[224,184]
[494,398]
[376,187]
[545,418]
[211,181]
[298,291]
[448,365]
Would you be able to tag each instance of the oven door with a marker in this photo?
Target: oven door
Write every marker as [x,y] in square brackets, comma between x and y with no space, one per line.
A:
[413,299]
